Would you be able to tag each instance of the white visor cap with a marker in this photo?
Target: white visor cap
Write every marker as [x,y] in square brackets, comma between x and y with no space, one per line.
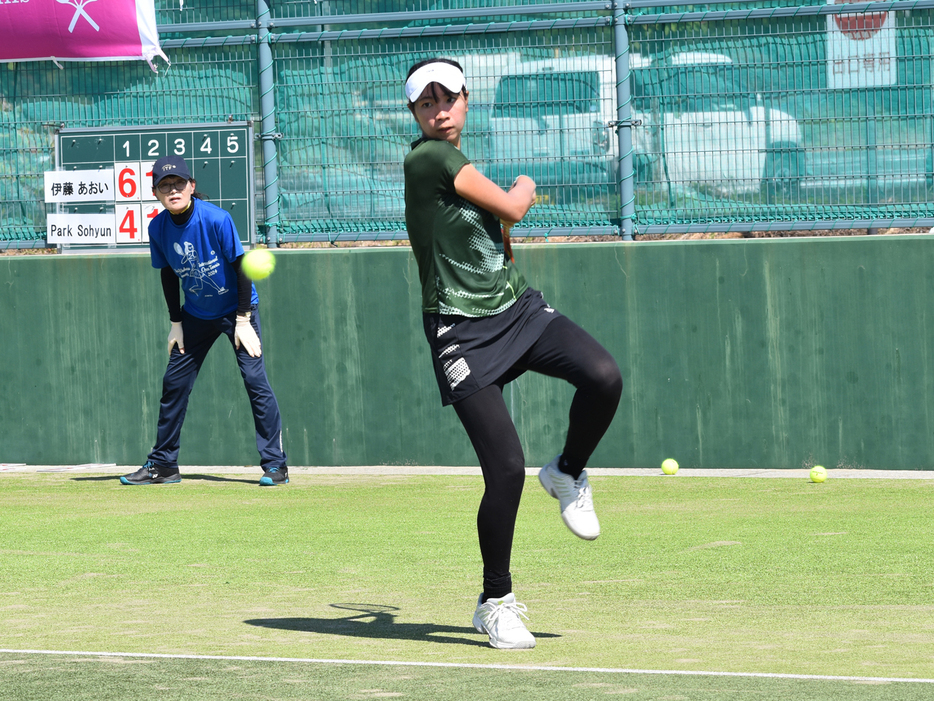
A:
[451,77]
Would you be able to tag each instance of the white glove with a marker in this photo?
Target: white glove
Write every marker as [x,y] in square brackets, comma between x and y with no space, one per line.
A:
[244,333]
[176,336]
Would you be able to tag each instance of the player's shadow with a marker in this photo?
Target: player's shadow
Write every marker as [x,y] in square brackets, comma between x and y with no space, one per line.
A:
[185,478]
[97,478]
[217,478]
[378,621]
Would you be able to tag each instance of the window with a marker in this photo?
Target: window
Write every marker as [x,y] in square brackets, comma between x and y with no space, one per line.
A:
[540,94]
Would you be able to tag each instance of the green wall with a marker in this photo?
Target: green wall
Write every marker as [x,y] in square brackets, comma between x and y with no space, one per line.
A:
[763,353]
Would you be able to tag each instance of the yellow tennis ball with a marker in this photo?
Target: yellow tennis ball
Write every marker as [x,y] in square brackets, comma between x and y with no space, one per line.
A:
[670,466]
[259,263]
[818,474]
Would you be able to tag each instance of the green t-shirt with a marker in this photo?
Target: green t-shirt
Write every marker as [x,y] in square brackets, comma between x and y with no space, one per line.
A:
[458,245]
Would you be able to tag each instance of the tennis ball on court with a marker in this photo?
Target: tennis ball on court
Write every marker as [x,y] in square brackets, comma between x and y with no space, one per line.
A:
[259,263]
[818,474]
[670,466]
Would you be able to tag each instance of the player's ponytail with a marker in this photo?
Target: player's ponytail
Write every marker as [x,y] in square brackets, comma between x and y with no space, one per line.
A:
[195,194]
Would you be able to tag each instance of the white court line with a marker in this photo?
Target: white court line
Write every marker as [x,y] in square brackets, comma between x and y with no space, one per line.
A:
[517,668]
[406,470]
[72,468]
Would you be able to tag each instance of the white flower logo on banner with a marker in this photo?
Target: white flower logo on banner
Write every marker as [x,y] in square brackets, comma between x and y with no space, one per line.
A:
[79,6]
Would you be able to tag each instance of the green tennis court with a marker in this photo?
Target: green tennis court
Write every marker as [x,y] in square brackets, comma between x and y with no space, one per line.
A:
[350,586]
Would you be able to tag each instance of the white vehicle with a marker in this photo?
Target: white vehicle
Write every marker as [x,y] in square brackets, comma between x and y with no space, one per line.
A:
[699,127]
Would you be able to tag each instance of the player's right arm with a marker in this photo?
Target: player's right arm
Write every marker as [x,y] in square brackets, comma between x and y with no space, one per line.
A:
[510,206]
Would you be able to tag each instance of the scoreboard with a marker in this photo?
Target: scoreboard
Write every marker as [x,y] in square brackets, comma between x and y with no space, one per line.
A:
[220,157]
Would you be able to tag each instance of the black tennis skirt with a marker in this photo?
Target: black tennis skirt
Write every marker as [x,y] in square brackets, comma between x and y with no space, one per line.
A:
[470,353]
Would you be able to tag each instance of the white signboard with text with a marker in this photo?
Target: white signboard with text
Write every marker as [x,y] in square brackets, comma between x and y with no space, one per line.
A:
[79,186]
[861,50]
[81,229]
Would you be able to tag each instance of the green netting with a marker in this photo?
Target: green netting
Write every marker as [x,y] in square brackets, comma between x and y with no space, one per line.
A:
[196,87]
[178,12]
[340,156]
[317,8]
[200,86]
[739,121]
[766,135]
[172,15]
[346,130]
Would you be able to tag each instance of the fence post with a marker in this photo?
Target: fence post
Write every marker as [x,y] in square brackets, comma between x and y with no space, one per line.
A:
[872,165]
[268,134]
[624,169]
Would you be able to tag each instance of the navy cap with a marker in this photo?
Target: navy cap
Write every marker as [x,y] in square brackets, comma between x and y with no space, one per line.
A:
[169,165]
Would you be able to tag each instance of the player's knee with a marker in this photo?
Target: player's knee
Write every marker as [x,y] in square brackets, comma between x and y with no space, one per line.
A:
[606,379]
[514,469]
[510,472]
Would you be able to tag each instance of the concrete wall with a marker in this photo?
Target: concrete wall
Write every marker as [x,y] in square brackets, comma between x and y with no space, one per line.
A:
[768,353]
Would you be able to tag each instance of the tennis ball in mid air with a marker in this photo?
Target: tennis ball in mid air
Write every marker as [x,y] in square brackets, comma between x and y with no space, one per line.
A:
[670,466]
[259,263]
[818,474]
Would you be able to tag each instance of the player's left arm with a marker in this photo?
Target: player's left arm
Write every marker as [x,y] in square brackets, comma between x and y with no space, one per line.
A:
[244,287]
[225,234]
[244,334]
[243,330]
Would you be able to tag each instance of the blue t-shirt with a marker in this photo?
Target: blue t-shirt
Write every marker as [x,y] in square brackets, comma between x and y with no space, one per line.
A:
[200,252]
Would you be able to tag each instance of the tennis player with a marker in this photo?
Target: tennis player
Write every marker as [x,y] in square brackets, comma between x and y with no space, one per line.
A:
[485,327]
[197,243]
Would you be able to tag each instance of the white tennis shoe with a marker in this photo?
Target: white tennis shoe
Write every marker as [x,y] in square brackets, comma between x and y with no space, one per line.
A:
[501,619]
[575,498]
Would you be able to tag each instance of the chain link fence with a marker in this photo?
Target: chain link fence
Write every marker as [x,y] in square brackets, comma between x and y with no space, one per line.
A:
[636,119]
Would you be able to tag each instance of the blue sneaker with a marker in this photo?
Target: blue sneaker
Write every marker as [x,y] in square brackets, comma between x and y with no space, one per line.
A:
[152,474]
[274,476]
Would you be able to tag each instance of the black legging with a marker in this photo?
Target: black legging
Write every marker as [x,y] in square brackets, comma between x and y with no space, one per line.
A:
[564,351]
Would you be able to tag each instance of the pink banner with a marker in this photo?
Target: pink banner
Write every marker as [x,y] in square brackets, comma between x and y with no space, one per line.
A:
[78,30]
